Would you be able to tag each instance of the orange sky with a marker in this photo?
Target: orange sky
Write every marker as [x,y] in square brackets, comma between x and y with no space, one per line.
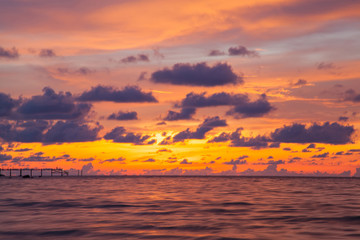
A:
[285,72]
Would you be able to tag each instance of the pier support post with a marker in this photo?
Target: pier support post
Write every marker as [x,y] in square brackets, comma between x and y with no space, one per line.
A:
[40,172]
[20,172]
[31,172]
[10,172]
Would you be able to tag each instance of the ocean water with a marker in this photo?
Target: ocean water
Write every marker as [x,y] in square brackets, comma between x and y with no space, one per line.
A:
[179,208]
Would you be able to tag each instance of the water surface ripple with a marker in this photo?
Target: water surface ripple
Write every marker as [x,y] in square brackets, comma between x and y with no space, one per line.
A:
[179,208]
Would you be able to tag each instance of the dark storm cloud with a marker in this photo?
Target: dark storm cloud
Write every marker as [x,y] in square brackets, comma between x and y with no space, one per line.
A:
[208,124]
[70,131]
[197,75]
[185,114]
[351,95]
[242,51]
[47,53]
[332,133]
[9,53]
[123,116]
[6,104]
[51,105]
[243,107]
[107,93]
[134,59]
[249,109]
[30,131]
[120,135]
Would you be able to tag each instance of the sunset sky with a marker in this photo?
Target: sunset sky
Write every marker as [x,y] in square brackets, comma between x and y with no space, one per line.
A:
[262,87]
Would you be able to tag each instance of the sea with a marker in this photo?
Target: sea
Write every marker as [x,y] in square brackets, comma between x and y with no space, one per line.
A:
[160,207]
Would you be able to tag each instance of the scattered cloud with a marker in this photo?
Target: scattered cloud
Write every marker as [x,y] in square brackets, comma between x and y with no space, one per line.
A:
[242,106]
[343,119]
[311,145]
[237,140]
[208,124]
[51,105]
[9,53]
[185,114]
[6,104]
[257,108]
[123,116]
[142,76]
[47,53]
[239,161]
[300,83]
[77,71]
[120,159]
[199,74]
[214,53]
[120,135]
[125,95]
[185,161]
[235,51]
[5,157]
[22,150]
[324,155]
[29,131]
[163,150]
[242,51]
[352,96]
[135,59]
[71,131]
[326,66]
[332,133]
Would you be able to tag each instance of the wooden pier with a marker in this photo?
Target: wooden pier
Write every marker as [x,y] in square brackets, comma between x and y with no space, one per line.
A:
[30,172]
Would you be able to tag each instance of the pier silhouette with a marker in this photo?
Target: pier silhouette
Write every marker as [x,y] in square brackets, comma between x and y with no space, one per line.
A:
[35,172]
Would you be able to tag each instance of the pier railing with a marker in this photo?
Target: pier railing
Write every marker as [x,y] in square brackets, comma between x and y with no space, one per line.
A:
[38,172]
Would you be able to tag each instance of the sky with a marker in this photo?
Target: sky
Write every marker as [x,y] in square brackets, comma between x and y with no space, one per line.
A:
[265,87]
